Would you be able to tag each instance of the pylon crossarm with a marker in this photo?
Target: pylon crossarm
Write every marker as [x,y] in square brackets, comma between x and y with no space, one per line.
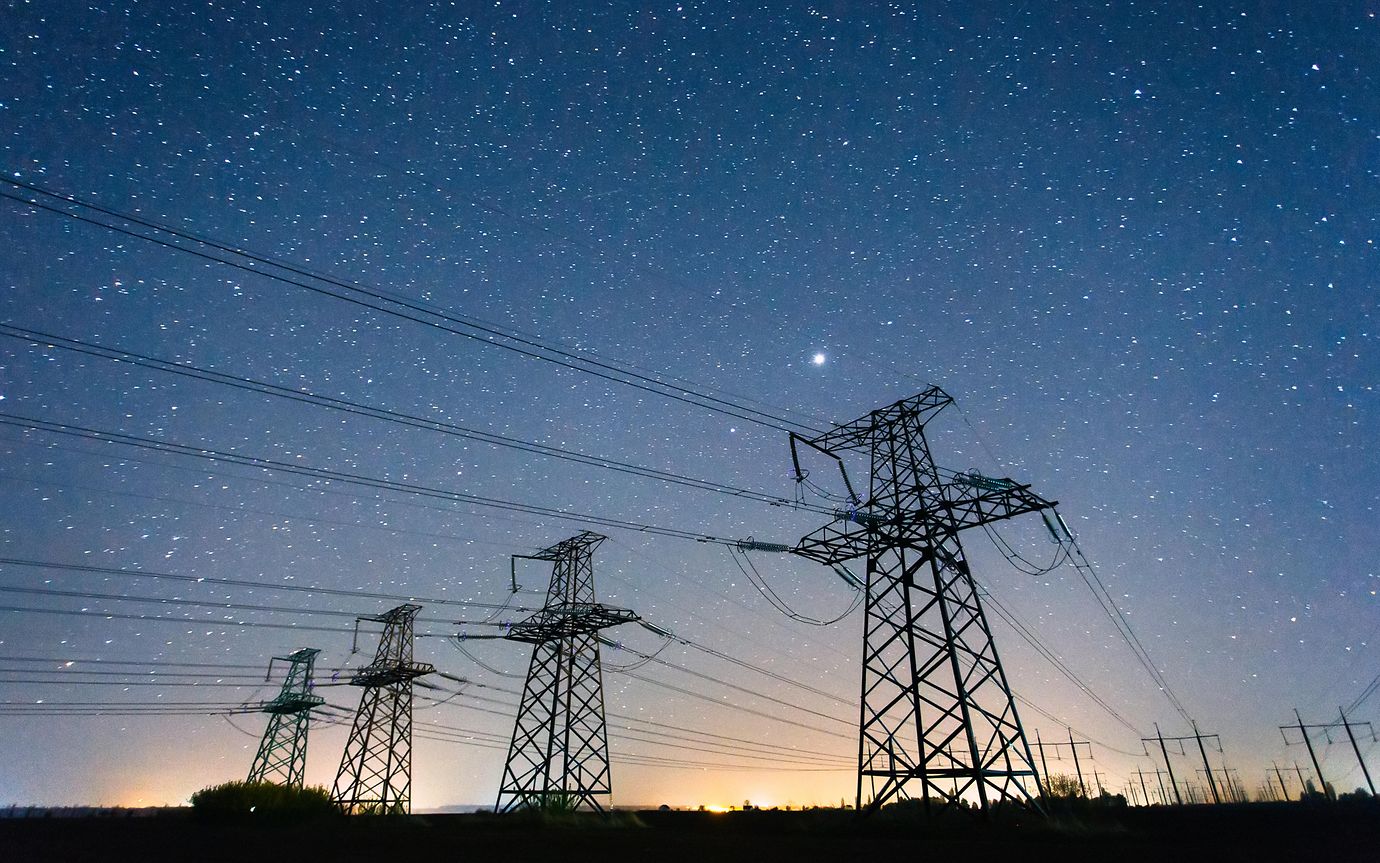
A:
[292,704]
[567,620]
[389,674]
[968,511]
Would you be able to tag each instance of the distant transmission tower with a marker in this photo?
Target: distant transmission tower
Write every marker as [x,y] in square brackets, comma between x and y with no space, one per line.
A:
[375,775]
[559,756]
[282,756]
[936,708]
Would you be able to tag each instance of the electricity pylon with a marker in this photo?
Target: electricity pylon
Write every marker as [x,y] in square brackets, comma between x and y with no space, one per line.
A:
[282,755]
[559,755]
[936,708]
[375,776]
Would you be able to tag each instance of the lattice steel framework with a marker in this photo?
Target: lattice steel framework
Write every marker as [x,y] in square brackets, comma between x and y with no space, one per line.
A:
[936,708]
[282,755]
[559,755]
[375,775]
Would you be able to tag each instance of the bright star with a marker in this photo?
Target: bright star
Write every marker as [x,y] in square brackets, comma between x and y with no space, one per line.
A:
[818,359]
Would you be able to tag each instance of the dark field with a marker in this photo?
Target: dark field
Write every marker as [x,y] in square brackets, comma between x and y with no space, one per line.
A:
[1224,833]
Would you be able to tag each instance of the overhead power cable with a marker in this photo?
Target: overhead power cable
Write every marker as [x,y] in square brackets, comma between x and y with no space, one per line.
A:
[1113,611]
[196,621]
[196,683]
[740,708]
[725,742]
[265,481]
[142,663]
[240,582]
[741,663]
[214,604]
[721,682]
[138,674]
[749,571]
[388,303]
[310,518]
[352,479]
[358,409]
[1365,695]
[1028,635]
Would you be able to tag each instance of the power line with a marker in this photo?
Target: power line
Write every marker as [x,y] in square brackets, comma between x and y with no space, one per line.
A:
[599,253]
[200,622]
[386,303]
[146,674]
[1028,635]
[655,725]
[747,691]
[352,479]
[240,582]
[1123,626]
[408,420]
[194,603]
[286,516]
[259,480]
[739,746]
[199,684]
[139,662]
[740,708]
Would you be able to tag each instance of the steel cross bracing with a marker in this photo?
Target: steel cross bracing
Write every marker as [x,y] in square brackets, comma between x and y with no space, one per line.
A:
[282,755]
[936,708]
[559,755]
[375,775]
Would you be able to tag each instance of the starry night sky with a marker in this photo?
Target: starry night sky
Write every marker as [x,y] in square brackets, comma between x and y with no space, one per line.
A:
[1135,241]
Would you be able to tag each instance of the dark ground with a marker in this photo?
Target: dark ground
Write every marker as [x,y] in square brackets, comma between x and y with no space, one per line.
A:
[1220,834]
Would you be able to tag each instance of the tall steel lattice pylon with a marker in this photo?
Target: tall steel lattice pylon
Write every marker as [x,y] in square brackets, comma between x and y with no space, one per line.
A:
[375,776]
[559,755]
[282,755]
[936,709]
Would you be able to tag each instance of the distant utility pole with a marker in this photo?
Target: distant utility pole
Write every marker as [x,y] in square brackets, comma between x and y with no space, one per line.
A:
[1228,786]
[1199,737]
[1159,778]
[1073,748]
[1238,791]
[375,776]
[1303,731]
[1164,751]
[1283,789]
[282,755]
[1141,775]
[1354,748]
[1097,777]
[1303,785]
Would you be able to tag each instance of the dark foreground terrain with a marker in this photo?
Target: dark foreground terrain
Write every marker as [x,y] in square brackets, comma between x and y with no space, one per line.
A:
[1221,833]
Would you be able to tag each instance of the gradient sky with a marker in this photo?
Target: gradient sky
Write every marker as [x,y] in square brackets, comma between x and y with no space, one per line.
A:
[1136,242]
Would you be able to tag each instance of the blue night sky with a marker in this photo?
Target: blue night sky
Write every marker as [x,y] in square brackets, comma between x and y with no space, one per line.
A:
[1135,241]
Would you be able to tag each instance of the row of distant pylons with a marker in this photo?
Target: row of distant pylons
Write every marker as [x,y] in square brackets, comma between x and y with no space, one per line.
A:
[559,750]
[938,722]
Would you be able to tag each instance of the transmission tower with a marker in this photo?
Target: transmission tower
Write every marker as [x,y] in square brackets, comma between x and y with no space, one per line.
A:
[936,708]
[559,755]
[375,775]
[282,755]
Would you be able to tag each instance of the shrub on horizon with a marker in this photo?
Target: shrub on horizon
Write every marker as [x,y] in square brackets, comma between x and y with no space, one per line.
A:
[263,800]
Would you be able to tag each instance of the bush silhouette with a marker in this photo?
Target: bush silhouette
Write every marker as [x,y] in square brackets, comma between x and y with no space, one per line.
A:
[262,799]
